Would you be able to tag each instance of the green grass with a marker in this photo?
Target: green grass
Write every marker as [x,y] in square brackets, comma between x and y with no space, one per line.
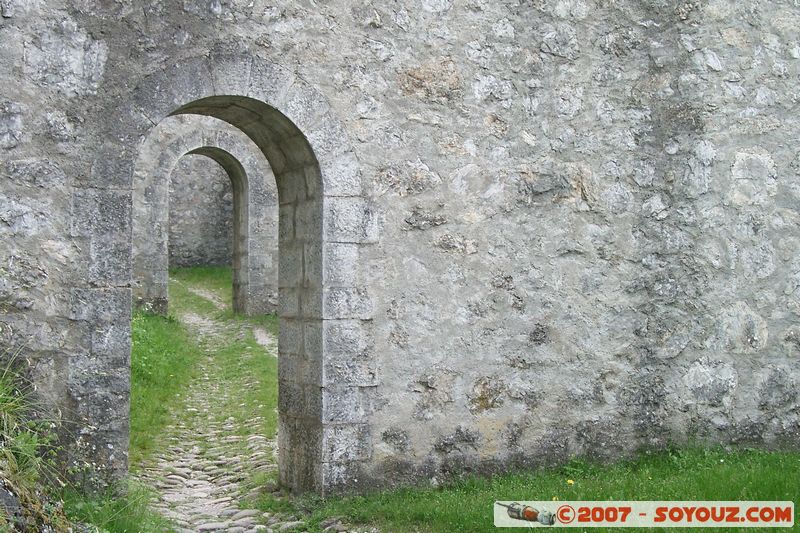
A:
[112,513]
[26,448]
[246,361]
[218,280]
[211,277]
[163,361]
[466,506]
[239,360]
[182,300]
[169,357]
[28,469]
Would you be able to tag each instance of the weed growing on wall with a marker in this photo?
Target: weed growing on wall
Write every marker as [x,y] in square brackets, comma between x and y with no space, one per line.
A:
[27,455]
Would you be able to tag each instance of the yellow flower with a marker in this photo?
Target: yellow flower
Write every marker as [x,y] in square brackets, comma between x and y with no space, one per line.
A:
[570,482]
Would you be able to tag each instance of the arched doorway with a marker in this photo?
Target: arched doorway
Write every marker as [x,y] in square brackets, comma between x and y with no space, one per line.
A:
[327,374]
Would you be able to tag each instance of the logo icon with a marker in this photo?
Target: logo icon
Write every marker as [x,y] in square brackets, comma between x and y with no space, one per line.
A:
[517,511]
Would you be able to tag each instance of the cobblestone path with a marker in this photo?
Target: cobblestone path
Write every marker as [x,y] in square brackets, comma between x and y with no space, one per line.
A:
[201,471]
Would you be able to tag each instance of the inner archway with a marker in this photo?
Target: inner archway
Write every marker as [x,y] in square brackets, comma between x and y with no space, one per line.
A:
[300,283]
[254,222]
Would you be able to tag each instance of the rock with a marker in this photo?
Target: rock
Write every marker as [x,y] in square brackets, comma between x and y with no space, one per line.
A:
[212,526]
[291,525]
[11,127]
[66,57]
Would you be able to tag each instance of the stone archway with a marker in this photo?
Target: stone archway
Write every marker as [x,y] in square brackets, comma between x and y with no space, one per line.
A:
[255,211]
[327,375]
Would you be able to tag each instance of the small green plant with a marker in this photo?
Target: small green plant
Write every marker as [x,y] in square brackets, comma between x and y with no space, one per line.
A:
[110,512]
[27,467]
[28,471]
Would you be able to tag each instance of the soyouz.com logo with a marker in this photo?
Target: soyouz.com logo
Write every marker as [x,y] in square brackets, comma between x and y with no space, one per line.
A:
[643,514]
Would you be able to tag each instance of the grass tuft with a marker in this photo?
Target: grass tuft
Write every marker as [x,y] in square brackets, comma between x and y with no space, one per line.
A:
[163,362]
[111,513]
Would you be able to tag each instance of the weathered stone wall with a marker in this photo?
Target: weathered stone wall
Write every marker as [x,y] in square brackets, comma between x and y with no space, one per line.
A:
[588,217]
[200,213]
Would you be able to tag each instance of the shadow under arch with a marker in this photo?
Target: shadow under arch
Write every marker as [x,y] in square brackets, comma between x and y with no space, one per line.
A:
[286,148]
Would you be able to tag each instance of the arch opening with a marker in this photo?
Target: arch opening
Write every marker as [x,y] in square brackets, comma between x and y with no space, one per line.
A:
[327,366]
[300,243]
[239,259]
[200,214]
[254,243]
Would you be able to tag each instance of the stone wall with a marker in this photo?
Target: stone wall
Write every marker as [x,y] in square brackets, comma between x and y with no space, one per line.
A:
[587,218]
[200,214]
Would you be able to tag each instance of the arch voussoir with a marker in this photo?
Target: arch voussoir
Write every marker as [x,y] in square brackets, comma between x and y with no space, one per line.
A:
[269,83]
[161,93]
[341,175]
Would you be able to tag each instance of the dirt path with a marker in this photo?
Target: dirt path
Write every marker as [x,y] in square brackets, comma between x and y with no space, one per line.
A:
[200,473]
[211,296]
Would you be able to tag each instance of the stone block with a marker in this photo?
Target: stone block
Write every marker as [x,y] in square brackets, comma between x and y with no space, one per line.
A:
[111,343]
[351,220]
[313,341]
[269,82]
[289,302]
[341,175]
[347,338]
[169,90]
[11,124]
[298,156]
[290,336]
[311,303]
[290,266]
[297,369]
[101,213]
[109,262]
[300,400]
[341,443]
[40,173]
[291,399]
[231,71]
[341,264]
[327,137]
[107,306]
[286,223]
[349,357]
[305,107]
[346,302]
[112,167]
[347,404]
[341,476]
[308,221]
[312,264]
